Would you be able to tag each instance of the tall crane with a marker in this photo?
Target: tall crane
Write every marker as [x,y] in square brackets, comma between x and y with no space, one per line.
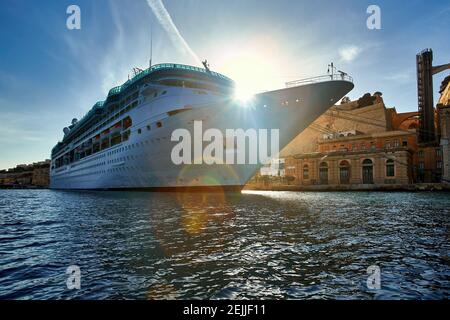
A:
[425,72]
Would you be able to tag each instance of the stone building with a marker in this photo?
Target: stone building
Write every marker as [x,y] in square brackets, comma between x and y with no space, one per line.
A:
[444,127]
[361,159]
[361,143]
[41,174]
[26,176]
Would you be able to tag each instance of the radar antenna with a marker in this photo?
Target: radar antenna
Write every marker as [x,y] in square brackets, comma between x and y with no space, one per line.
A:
[206,65]
[136,71]
[331,70]
[343,74]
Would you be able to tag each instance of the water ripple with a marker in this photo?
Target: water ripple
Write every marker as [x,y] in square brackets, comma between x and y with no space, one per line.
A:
[255,245]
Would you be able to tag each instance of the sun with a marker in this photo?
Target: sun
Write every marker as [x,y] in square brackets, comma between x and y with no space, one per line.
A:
[254,69]
[243,95]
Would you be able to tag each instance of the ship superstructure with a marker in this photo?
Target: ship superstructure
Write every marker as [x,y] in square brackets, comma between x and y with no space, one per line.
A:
[125,142]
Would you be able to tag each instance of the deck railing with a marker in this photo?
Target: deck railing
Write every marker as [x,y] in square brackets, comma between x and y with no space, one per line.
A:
[118,89]
[328,77]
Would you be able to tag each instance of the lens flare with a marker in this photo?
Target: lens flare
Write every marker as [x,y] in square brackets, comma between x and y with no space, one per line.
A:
[244,96]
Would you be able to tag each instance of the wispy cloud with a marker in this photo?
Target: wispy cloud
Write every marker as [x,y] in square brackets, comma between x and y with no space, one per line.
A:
[107,65]
[349,53]
[169,26]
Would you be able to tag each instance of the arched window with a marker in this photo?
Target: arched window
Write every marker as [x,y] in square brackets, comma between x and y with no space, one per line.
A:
[367,171]
[323,173]
[305,172]
[390,168]
[344,172]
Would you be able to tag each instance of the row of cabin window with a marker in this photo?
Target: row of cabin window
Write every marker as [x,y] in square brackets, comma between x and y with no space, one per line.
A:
[108,142]
[121,104]
[149,127]
[116,139]
[127,109]
[116,116]
[96,147]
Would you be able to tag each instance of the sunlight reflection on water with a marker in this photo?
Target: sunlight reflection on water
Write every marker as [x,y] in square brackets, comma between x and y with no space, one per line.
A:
[258,245]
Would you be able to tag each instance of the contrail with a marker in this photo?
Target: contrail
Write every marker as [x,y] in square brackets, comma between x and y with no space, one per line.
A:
[166,22]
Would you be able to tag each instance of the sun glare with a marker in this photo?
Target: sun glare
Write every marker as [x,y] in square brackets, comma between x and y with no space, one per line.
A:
[254,68]
[243,95]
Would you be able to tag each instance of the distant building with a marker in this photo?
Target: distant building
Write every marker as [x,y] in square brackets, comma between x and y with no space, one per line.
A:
[26,176]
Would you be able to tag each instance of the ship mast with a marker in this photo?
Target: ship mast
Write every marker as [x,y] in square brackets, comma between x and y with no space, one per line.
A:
[151,46]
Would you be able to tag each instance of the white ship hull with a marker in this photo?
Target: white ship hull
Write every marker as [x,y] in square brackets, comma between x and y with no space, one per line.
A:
[144,161]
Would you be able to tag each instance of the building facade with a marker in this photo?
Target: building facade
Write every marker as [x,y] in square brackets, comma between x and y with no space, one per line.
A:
[444,128]
[26,176]
[362,143]
[375,159]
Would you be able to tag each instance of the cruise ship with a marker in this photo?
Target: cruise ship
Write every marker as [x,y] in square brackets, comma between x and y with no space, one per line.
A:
[125,141]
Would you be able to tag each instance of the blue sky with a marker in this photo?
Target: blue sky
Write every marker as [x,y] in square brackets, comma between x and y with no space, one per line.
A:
[49,74]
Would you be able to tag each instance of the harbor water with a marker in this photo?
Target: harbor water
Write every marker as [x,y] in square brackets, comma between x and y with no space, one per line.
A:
[255,245]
